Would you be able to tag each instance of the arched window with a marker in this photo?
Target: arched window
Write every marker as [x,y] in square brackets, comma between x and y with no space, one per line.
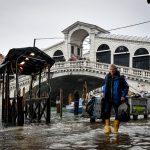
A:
[58,53]
[103,47]
[122,56]
[103,54]
[58,56]
[141,51]
[121,49]
[141,59]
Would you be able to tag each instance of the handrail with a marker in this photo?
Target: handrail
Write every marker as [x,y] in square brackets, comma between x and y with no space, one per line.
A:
[102,67]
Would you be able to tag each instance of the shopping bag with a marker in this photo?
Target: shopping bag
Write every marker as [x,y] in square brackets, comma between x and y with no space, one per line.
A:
[90,106]
[124,112]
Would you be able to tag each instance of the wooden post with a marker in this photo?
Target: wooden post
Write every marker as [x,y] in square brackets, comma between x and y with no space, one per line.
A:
[7,99]
[3,100]
[39,96]
[30,100]
[48,118]
[39,92]
[20,119]
[58,104]
[76,102]
[61,102]
[84,95]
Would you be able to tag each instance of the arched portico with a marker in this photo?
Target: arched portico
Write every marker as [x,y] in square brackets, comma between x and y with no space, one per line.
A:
[76,34]
[76,42]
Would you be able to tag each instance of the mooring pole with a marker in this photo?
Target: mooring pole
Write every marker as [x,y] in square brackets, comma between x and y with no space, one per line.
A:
[61,102]
[48,118]
[58,104]
[76,102]
[39,96]
[7,109]
[3,100]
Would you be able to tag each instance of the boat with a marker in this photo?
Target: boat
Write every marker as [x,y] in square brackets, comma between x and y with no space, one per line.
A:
[70,108]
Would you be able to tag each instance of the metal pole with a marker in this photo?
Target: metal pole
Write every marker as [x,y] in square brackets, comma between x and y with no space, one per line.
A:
[34,42]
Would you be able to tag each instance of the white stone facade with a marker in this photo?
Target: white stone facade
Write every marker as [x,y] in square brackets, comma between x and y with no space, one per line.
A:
[75,34]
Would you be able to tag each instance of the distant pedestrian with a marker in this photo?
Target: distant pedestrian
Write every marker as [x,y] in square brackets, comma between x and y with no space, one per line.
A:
[114,89]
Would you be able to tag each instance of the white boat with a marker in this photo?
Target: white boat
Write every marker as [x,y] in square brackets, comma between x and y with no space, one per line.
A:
[70,108]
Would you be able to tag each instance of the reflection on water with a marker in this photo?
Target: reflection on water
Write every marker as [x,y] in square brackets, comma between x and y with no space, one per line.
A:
[75,133]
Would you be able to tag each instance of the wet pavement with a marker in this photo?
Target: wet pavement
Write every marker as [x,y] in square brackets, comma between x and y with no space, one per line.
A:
[76,133]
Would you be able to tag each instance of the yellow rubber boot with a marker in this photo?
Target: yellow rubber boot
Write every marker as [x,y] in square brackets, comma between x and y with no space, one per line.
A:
[107,128]
[116,126]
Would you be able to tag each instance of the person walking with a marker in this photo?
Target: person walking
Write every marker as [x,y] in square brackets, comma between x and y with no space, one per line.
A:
[114,89]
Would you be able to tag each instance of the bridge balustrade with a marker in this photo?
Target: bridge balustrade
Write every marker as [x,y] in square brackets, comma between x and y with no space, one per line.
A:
[95,67]
[102,67]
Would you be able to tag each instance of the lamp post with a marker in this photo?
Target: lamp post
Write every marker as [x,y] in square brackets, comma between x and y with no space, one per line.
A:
[53,38]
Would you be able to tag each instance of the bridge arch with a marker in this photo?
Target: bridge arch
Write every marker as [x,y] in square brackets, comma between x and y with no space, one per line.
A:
[141,59]
[76,41]
[103,54]
[122,56]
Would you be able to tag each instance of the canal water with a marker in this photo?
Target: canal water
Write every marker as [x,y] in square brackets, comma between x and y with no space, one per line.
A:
[75,133]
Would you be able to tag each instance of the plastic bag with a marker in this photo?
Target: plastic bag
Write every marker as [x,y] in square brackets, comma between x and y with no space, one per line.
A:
[90,106]
[124,112]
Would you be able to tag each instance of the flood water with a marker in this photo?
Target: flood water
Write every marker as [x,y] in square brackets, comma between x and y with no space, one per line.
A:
[75,133]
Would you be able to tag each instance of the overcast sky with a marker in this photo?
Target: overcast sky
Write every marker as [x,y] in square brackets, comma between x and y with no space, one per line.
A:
[23,20]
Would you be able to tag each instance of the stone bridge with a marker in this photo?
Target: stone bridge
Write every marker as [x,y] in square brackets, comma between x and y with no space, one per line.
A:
[71,75]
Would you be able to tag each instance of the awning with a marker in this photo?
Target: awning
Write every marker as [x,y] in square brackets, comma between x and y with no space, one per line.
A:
[28,60]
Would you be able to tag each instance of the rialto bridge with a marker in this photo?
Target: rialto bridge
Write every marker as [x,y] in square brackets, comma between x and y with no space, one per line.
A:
[74,66]
[71,75]
[104,47]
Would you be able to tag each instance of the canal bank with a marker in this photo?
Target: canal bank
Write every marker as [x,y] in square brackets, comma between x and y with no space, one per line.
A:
[76,133]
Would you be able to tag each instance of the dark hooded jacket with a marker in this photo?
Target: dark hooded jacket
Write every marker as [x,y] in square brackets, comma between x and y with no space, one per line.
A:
[114,88]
